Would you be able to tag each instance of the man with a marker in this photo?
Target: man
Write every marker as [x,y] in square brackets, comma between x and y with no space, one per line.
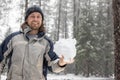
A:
[29,53]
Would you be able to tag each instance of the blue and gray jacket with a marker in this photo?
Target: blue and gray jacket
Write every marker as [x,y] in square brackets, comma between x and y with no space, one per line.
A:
[28,58]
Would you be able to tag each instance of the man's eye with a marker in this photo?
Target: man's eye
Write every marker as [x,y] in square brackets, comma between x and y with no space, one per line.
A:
[38,16]
[32,16]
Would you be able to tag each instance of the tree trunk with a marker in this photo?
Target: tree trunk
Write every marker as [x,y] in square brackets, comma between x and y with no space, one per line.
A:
[116,17]
[59,18]
[40,2]
[26,4]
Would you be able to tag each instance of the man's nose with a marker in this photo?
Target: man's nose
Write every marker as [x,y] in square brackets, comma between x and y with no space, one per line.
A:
[35,18]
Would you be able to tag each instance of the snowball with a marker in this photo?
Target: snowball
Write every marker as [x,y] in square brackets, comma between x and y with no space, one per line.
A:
[65,47]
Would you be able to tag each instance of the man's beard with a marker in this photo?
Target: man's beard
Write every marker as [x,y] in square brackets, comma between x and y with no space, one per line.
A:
[35,26]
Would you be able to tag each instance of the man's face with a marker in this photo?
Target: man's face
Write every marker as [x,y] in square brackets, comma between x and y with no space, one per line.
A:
[34,20]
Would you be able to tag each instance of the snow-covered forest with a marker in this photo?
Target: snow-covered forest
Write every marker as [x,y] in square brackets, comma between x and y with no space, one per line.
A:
[89,22]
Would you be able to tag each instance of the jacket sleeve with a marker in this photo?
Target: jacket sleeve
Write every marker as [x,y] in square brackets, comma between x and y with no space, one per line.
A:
[53,59]
[5,50]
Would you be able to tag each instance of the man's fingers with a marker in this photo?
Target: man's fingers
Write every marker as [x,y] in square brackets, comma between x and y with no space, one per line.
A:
[71,61]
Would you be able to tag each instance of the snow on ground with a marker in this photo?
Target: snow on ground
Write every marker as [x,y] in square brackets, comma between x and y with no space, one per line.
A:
[73,77]
[69,77]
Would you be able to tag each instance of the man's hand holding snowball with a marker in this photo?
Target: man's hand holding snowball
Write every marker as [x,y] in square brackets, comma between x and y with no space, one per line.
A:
[62,62]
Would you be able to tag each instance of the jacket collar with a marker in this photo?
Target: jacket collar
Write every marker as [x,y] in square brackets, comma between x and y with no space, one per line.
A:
[28,29]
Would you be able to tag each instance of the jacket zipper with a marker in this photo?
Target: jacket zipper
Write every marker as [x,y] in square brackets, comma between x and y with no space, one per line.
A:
[26,50]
